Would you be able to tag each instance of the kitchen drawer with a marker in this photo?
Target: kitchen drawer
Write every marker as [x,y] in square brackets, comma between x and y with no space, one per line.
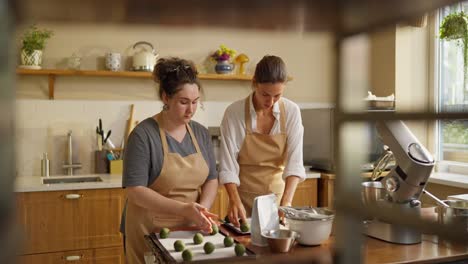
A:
[70,220]
[114,255]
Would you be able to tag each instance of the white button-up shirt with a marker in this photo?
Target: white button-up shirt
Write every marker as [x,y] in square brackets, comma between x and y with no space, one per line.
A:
[233,134]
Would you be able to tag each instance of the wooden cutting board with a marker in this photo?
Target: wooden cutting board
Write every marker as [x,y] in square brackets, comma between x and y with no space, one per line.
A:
[166,245]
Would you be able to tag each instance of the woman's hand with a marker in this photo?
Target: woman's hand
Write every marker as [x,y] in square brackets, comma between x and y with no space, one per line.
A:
[199,215]
[236,210]
[280,213]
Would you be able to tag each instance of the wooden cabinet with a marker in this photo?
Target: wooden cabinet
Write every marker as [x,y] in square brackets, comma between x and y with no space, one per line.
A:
[112,255]
[326,191]
[221,203]
[71,220]
[306,195]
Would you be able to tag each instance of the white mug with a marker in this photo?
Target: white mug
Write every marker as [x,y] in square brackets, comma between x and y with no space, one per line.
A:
[113,60]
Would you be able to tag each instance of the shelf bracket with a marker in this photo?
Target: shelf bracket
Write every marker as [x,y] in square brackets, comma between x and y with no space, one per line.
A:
[51,86]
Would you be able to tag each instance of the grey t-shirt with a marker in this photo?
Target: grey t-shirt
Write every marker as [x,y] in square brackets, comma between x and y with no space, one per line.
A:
[143,158]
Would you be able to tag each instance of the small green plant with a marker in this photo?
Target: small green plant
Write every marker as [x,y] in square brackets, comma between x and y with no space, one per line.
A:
[35,38]
[455,27]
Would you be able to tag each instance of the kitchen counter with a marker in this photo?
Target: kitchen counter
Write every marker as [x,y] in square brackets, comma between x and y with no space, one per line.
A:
[312,175]
[34,183]
[374,251]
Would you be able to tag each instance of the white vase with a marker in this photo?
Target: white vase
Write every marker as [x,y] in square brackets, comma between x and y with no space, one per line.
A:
[33,60]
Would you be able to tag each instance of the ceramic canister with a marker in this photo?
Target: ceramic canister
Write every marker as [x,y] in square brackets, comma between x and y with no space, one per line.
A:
[113,61]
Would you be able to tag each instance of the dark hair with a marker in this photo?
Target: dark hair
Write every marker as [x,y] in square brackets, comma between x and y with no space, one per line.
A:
[270,69]
[173,72]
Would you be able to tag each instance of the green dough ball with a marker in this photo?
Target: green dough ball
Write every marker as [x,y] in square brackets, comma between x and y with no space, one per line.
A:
[209,247]
[187,255]
[179,245]
[198,238]
[164,233]
[239,249]
[215,229]
[228,241]
[226,220]
[244,227]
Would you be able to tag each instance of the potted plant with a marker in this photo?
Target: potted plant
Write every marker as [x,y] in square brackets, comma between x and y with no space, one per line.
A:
[455,27]
[33,41]
[223,56]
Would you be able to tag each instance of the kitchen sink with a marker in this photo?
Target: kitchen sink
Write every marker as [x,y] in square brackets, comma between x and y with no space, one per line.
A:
[71,179]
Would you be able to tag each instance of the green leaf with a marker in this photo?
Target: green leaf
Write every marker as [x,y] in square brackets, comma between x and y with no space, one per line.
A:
[35,39]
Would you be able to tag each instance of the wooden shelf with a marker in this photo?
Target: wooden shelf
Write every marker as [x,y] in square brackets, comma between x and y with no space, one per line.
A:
[52,73]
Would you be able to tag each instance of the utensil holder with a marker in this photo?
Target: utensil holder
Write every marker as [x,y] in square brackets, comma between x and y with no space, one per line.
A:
[101,162]
[116,167]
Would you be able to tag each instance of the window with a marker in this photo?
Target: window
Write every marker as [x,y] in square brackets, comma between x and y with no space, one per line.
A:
[453,96]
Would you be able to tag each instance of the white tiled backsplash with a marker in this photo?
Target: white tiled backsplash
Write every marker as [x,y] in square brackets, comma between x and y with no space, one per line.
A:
[42,126]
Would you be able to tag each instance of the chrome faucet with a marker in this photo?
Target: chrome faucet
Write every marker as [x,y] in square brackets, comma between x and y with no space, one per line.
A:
[70,166]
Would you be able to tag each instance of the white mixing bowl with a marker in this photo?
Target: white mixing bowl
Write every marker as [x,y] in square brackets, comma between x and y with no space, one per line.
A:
[312,232]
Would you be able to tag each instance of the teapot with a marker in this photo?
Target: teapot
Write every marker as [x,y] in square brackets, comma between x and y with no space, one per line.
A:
[144,60]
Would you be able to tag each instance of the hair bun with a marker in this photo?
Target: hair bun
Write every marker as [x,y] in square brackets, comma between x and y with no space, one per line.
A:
[173,72]
[174,68]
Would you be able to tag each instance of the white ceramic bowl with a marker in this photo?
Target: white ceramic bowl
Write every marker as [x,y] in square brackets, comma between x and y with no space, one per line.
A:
[313,232]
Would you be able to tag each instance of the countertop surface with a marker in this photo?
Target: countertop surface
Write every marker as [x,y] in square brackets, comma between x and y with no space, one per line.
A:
[430,250]
[34,183]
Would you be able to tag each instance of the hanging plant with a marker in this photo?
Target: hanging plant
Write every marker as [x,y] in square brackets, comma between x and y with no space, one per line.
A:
[455,27]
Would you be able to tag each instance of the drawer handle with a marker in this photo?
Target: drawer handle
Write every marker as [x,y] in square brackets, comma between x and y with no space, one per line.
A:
[72,196]
[72,258]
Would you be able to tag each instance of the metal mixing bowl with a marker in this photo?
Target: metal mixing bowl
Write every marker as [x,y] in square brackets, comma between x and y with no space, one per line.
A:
[372,191]
[456,213]
[280,241]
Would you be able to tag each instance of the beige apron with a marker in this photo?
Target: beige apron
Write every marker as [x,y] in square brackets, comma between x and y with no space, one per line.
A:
[261,160]
[180,179]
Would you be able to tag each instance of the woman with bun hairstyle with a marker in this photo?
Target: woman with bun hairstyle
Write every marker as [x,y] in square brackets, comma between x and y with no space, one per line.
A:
[261,143]
[169,166]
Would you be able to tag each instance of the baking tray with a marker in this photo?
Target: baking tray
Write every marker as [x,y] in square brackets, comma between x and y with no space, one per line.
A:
[165,253]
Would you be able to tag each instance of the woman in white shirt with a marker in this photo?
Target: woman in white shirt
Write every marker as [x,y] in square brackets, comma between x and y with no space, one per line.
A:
[261,143]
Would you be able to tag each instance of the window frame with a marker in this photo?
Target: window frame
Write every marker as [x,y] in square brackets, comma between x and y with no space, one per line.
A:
[445,166]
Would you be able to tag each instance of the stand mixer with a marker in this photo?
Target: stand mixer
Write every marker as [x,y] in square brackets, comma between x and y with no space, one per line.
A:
[403,185]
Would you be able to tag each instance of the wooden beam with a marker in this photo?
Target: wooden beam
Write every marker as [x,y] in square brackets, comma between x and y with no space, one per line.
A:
[51,86]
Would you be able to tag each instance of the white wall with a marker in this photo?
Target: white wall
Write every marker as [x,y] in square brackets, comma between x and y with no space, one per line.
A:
[307,55]
[42,124]
[412,76]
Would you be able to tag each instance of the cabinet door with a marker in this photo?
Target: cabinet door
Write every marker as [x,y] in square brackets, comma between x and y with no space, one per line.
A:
[70,220]
[306,193]
[112,255]
[326,193]
[220,203]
